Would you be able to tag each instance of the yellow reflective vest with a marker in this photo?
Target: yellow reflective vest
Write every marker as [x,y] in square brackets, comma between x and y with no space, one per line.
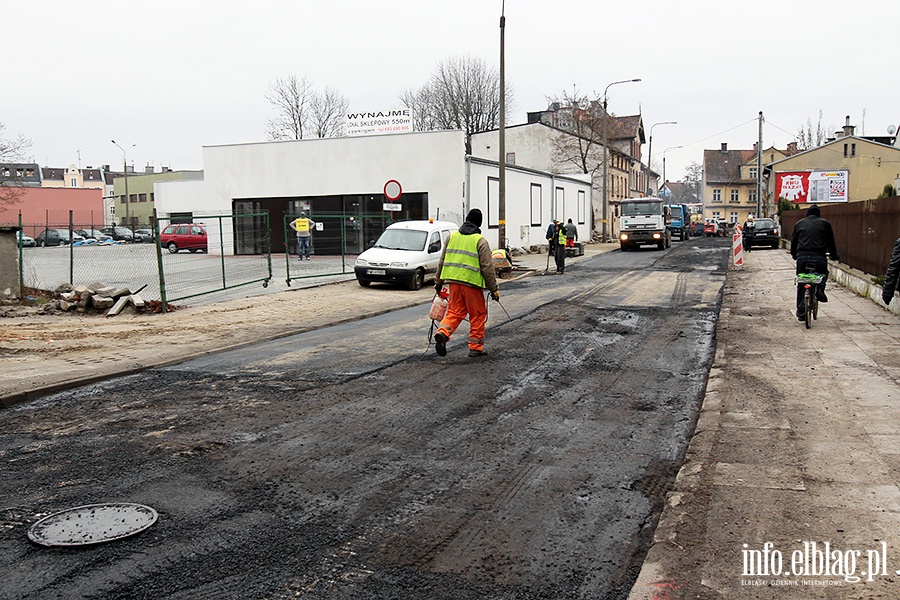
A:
[461,260]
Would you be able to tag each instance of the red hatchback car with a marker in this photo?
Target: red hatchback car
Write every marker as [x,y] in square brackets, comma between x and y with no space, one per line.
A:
[183,236]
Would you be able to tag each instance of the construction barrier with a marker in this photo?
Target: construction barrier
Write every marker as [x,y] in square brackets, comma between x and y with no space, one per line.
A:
[737,248]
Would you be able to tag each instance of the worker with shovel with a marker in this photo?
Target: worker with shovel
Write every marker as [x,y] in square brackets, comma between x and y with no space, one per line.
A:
[468,269]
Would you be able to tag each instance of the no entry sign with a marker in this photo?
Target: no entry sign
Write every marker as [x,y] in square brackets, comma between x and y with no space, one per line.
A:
[392,189]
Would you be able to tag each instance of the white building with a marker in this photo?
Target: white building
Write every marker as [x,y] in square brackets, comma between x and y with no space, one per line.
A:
[345,178]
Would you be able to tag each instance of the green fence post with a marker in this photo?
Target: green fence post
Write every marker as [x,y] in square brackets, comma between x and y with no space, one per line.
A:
[222,250]
[71,251]
[159,263]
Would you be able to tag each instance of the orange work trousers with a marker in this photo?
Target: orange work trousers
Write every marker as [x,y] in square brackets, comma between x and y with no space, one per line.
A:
[466,300]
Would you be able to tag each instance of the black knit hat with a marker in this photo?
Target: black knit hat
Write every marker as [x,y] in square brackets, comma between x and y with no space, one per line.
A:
[474,217]
[813,210]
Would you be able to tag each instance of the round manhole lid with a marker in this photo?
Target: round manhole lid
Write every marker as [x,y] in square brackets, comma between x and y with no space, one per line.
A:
[92,524]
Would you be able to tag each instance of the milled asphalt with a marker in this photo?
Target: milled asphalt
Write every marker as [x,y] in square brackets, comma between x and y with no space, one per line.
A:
[798,441]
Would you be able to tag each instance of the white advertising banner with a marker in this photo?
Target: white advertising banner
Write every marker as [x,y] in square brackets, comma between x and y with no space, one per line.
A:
[379,122]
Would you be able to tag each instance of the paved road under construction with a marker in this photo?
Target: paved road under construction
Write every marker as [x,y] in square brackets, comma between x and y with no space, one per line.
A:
[352,462]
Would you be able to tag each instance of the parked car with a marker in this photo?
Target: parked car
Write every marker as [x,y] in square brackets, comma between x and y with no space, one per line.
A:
[94,234]
[56,237]
[26,241]
[143,235]
[407,253]
[119,234]
[765,233]
[183,236]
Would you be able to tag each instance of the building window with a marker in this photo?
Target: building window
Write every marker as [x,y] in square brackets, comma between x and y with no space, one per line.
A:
[845,150]
[716,215]
[132,198]
[717,195]
[735,196]
[73,182]
[511,158]
[752,196]
[123,199]
[752,172]
[732,217]
[142,197]
[852,149]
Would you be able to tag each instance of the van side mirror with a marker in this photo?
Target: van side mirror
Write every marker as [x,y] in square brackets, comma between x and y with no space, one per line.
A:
[434,247]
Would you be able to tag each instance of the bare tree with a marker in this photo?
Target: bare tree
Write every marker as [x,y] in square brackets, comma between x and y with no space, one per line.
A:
[291,98]
[579,143]
[463,93]
[11,151]
[807,138]
[327,112]
[693,179]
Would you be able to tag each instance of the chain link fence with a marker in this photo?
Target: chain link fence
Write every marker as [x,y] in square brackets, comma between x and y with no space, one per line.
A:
[183,258]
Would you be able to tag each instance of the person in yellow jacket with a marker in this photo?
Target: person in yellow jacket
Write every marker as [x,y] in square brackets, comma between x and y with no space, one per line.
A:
[468,269]
[303,226]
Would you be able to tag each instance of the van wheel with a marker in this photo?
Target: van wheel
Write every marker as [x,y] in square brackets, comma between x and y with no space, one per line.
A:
[418,278]
[364,283]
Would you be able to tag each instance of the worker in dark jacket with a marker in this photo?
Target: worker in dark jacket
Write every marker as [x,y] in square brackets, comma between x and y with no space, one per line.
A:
[892,275]
[467,266]
[813,238]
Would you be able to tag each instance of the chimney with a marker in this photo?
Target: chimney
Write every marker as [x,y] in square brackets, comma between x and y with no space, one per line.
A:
[848,128]
[755,147]
[724,146]
[791,148]
[148,169]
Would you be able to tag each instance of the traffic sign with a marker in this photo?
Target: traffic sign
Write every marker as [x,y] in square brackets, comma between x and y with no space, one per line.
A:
[392,189]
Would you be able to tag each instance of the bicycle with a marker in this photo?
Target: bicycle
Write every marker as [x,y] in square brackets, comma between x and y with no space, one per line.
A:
[810,282]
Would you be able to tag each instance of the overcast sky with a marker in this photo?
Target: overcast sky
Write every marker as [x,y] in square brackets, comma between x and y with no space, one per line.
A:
[171,77]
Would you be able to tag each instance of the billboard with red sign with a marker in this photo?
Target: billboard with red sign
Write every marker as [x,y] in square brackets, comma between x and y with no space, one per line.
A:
[812,187]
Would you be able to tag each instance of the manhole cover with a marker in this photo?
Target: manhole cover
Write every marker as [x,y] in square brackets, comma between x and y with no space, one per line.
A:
[92,524]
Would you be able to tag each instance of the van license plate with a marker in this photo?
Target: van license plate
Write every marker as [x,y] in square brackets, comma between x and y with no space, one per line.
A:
[375,272]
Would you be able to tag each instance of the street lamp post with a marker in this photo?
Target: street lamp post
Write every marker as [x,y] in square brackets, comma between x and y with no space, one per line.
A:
[664,161]
[604,231]
[125,170]
[650,153]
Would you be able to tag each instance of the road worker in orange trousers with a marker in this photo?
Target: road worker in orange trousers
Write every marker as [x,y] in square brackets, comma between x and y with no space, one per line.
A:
[466,265]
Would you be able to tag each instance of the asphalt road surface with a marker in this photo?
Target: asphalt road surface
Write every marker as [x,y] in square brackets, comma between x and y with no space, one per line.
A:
[352,462]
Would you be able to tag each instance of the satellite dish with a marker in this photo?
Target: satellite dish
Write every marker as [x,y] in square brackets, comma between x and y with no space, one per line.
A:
[891,129]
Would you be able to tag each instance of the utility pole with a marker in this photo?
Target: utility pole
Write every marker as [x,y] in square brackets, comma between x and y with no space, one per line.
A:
[502,188]
[125,170]
[604,230]
[650,157]
[759,169]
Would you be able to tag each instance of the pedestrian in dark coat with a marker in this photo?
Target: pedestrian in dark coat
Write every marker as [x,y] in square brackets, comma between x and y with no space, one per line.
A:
[892,275]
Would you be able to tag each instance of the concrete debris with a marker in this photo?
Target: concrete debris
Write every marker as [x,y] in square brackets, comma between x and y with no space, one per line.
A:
[98,297]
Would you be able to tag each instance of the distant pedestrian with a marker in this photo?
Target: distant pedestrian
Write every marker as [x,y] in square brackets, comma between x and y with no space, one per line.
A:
[571,234]
[560,248]
[552,237]
[303,226]
[893,274]
[467,266]
[747,231]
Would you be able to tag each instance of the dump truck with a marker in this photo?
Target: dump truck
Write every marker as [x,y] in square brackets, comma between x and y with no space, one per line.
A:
[645,221]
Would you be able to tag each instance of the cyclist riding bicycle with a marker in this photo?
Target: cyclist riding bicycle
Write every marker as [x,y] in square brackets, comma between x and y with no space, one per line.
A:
[813,237]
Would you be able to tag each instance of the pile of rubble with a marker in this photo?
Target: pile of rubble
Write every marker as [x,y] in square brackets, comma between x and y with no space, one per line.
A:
[103,298]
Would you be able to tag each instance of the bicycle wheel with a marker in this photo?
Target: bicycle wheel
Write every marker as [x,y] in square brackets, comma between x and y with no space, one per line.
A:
[815,304]
[808,296]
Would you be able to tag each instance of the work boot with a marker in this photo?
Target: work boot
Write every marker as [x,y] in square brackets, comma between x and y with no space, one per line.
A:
[477,353]
[820,296]
[440,344]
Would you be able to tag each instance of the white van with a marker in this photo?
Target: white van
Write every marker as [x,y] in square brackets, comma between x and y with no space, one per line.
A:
[406,253]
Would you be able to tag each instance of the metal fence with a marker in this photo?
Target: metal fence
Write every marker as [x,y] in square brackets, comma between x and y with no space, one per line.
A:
[53,262]
[864,232]
[336,241]
[234,250]
[238,251]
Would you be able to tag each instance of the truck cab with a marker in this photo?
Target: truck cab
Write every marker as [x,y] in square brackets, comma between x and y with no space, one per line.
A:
[681,221]
[645,221]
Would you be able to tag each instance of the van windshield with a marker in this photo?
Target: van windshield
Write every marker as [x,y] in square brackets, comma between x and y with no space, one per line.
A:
[402,239]
[631,209]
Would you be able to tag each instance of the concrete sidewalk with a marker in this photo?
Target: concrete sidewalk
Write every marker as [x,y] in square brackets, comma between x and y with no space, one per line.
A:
[797,446]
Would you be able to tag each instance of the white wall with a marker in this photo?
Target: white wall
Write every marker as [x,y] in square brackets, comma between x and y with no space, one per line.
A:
[533,199]
[423,162]
[532,145]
